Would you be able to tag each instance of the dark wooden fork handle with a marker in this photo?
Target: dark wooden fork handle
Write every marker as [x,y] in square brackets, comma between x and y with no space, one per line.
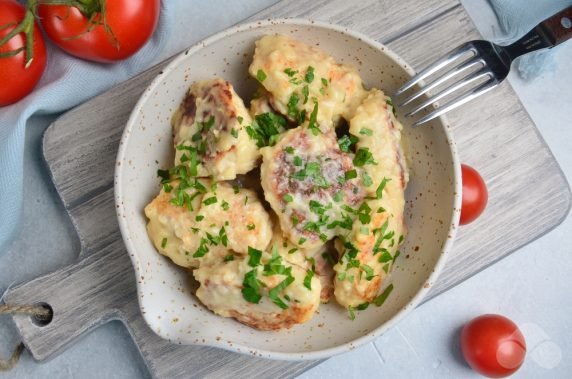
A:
[557,28]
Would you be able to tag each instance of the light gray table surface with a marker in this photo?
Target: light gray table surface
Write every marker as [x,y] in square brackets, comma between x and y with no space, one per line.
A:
[532,286]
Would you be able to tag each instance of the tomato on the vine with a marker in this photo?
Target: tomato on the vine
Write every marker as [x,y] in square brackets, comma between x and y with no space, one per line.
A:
[493,345]
[22,52]
[475,195]
[100,30]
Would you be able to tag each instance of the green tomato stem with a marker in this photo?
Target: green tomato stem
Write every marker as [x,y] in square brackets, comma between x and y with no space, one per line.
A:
[25,26]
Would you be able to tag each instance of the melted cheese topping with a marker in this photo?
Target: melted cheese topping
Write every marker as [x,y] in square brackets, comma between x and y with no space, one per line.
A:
[285,63]
[212,119]
[378,241]
[222,285]
[304,180]
[179,233]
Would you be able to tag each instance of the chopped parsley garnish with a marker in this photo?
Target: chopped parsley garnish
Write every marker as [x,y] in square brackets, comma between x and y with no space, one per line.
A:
[397,254]
[346,143]
[295,220]
[293,250]
[351,174]
[400,239]
[338,196]
[261,75]
[363,157]
[266,128]
[289,149]
[366,131]
[275,266]
[164,243]
[325,82]
[199,218]
[301,241]
[202,249]
[251,287]
[368,272]
[223,237]
[292,102]
[308,279]
[312,124]
[385,256]
[250,226]
[306,93]
[273,293]
[309,77]
[290,72]
[224,205]
[234,132]
[379,190]
[297,161]
[364,213]
[254,256]
[210,200]
[229,257]
[240,119]
[236,189]
[288,198]
[366,179]
[390,103]
[378,301]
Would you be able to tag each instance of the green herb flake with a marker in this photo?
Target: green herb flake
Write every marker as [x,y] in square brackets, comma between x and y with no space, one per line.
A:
[290,72]
[295,220]
[234,132]
[229,257]
[274,292]
[199,218]
[309,77]
[366,179]
[308,279]
[210,200]
[325,82]
[240,119]
[351,313]
[338,196]
[288,198]
[378,301]
[346,143]
[363,156]
[261,76]
[254,256]
[251,287]
[202,249]
[224,205]
[379,190]
[305,93]
[366,131]
[292,103]
[312,124]
[390,103]
[293,250]
[369,275]
[289,150]
[250,226]
[342,276]
[301,241]
[164,243]
[351,174]
[236,189]
[298,161]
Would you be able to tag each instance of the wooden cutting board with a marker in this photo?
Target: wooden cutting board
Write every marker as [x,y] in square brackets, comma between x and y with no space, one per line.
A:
[528,192]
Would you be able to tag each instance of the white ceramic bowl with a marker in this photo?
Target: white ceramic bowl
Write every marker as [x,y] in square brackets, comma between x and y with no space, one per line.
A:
[165,294]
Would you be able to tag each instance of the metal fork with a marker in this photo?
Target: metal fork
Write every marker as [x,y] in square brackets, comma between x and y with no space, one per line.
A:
[484,64]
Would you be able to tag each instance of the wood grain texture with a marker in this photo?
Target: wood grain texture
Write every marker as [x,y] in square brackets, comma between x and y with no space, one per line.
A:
[495,135]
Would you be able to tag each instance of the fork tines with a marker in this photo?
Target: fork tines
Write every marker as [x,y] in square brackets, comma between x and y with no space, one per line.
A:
[473,79]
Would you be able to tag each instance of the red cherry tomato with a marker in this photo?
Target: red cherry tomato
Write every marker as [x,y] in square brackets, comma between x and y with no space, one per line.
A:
[130,23]
[16,81]
[493,345]
[475,195]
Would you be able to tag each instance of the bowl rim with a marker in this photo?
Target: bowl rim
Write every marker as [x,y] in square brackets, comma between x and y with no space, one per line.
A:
[243,349]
